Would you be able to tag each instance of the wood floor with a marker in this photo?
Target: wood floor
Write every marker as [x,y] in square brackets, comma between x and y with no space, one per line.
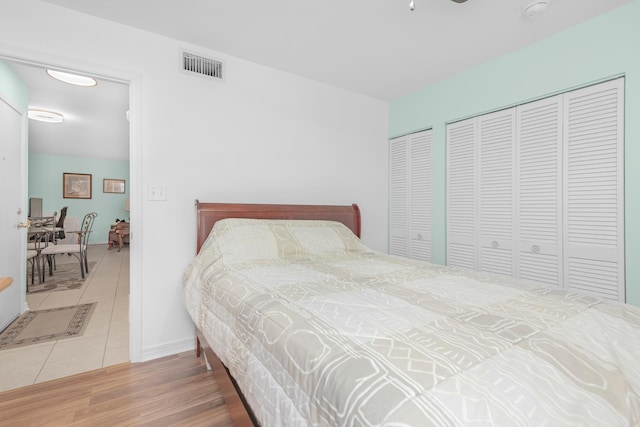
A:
[174,390]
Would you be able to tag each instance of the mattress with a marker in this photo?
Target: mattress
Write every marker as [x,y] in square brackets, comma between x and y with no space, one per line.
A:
[319,330]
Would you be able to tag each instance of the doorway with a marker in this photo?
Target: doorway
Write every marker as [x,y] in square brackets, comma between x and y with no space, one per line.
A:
[69,155]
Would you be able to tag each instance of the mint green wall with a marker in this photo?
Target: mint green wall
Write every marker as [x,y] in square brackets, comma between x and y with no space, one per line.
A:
[45,181]
[604,47]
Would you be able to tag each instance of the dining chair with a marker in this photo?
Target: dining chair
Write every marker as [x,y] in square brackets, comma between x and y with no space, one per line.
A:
[60,224]
[39,237]
[32,257]
[79,250]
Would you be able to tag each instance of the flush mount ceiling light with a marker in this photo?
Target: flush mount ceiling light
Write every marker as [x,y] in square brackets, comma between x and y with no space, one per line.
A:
[412,5]
[45,116]
[535,8]
[73,79]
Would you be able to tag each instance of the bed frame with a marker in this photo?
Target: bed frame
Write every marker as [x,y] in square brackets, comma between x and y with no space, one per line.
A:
[208,214]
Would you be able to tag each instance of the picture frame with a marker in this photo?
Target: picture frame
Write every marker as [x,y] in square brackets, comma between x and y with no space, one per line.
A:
[76,185]
[110,185]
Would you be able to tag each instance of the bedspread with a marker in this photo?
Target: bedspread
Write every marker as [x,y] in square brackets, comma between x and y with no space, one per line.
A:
[319,330]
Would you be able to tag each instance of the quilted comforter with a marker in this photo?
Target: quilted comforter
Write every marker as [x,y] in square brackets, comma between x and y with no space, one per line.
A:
[319,330]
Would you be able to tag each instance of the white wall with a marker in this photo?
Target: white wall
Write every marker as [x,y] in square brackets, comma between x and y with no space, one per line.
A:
[263,136]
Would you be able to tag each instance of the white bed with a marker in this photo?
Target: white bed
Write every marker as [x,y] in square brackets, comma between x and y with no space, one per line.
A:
[317,329]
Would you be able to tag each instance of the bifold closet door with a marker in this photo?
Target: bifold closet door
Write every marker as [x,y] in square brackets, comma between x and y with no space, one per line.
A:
[461,194]
[398,197]
[594,190]
[539,190]
[420,195]
[496,198]
[410,198]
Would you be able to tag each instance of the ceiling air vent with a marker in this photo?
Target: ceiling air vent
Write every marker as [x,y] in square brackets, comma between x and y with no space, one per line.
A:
[205,67]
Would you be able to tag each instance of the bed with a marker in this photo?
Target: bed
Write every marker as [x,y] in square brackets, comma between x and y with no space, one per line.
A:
[317,329]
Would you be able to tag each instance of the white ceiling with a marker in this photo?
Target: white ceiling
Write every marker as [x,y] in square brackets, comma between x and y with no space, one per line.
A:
[95,123]
[378,48]
[374,47]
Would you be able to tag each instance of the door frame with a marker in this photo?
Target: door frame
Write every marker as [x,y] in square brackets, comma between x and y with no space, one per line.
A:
[134,80]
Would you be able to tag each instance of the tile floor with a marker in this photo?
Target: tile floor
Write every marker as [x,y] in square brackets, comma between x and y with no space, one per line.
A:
[105,341]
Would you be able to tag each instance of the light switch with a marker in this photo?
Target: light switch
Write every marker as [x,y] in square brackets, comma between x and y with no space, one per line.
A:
[157,192]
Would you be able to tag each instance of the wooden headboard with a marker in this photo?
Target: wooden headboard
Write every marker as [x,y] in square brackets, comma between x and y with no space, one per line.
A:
[209,213]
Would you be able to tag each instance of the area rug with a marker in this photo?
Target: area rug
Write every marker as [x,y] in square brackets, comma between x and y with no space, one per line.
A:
[66,276]
[38,326]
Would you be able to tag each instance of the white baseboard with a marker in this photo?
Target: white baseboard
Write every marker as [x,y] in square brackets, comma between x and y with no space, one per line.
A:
[156,352]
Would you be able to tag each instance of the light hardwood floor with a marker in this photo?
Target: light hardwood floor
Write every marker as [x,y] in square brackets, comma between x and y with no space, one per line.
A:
[172,391]
[87,381]
[105,342]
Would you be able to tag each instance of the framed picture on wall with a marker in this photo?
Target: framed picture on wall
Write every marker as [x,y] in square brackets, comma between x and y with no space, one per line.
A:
[76,185]
[113,185]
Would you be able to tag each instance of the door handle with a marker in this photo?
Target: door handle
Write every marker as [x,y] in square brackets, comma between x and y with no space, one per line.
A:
[24,224]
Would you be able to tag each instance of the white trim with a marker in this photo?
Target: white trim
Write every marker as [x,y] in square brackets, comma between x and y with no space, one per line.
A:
[134,79]
[168,349]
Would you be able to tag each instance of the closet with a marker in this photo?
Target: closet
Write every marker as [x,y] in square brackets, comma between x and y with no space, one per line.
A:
[410,196]
[536,191]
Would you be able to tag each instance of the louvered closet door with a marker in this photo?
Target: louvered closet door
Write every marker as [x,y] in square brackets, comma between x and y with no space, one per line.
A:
[539,189]
[496,142]
[461,194]
[420,195]
[398,197]
[594,190]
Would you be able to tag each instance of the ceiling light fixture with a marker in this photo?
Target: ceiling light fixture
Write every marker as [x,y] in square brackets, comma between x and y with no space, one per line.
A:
[73,79]
[45,116]
[412,5]
[535,8]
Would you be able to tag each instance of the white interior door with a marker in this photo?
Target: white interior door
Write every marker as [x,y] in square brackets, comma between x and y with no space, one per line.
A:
[496,143]
[12,200]
[410,196]
[420,195]
[539,194]
[399,197]
[594,190]
[462,216]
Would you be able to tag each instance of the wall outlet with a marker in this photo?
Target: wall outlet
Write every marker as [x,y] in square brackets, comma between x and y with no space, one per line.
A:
[157,192]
